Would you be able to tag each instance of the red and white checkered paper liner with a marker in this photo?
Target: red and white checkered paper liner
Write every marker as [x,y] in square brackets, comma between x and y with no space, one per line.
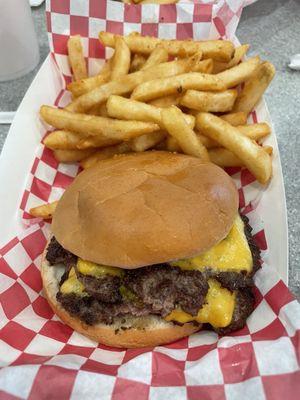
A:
[43,358]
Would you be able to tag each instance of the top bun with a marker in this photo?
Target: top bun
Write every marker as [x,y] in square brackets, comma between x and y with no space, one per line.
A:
[143,209]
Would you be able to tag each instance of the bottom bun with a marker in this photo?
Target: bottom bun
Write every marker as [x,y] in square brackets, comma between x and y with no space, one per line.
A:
[134,332]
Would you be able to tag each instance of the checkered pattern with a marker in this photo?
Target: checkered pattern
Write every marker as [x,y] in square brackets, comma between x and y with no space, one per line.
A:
[203,19]
[260,361]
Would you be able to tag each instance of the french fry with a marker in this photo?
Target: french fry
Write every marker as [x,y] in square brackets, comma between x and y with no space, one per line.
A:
[239,53]
[177,127]
[159,55]
[103,154]
[70,156]
[206,141]
[93,142]
[255,88]
[76,58]
[204,66]
[145,142]
[128,83]
[106,67]
[199,65]
[240,73]
[44,211]
[122,108]
[104,128]
[137,62]
[62,140]
[177,84]
[225,158]
[235,118]
[85,85]
[167,101]
[172,145]
[66,140]
[251,154]
[121,60]
[209,101]
[221,50]
[253,132]
[99,110]
[78,88]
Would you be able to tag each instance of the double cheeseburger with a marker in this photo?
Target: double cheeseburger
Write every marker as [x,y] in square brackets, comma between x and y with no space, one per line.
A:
[148,248]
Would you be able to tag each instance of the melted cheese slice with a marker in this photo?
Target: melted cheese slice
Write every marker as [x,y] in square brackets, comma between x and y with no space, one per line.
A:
[217,310]
[72,285]
[97,270]
[231,254]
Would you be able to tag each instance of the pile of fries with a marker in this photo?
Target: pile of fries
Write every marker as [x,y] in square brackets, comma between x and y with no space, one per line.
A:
[190,97]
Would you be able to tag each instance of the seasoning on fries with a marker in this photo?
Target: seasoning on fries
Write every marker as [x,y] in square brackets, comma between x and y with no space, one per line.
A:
[178,84]
[221,50]
[162,94]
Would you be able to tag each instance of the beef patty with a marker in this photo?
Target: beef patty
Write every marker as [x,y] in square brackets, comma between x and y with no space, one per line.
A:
[155,289]
[92,312]
[56,254]
[164,288]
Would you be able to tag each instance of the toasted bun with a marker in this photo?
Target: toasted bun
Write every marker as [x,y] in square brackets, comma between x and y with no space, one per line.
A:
[148,208]
[138,332]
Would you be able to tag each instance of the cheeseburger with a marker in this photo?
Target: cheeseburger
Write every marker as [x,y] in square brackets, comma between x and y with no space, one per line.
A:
[147,248]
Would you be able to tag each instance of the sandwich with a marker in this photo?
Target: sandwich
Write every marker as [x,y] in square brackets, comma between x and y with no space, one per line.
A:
[149,248]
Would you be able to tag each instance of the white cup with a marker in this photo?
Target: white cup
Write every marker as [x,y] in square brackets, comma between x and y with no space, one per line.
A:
[19,50]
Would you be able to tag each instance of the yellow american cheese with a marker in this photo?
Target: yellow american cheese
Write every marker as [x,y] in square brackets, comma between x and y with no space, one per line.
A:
[97,270]
[231,254]
[217,310]
[72,285]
